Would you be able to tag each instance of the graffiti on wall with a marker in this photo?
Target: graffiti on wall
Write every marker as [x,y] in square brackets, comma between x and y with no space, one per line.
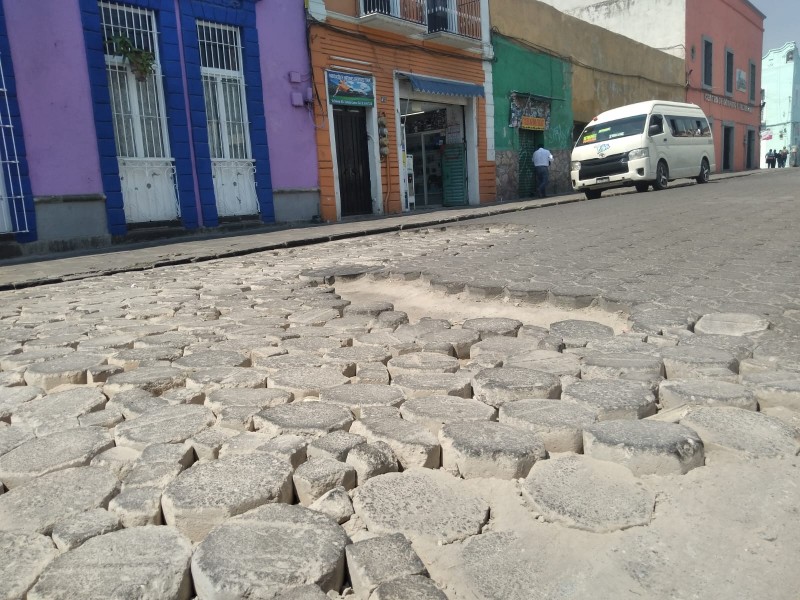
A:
[528,112]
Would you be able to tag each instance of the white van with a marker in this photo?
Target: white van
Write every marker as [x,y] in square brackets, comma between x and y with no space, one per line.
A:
[643,144]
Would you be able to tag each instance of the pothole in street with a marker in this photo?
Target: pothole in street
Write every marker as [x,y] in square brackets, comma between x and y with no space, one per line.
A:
[418,300]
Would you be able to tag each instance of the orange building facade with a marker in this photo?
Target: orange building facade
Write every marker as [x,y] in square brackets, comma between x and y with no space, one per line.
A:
[399,102]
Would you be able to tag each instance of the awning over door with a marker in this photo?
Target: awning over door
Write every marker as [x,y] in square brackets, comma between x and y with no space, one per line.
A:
[431,85]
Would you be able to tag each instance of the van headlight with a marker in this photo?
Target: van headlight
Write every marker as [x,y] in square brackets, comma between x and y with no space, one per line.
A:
[575,165]
[638,153]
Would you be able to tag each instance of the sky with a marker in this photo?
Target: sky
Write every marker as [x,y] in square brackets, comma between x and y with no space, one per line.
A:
[782,23]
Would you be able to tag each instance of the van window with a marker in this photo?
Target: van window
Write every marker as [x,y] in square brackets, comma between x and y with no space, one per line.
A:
[611,130]
[688,126]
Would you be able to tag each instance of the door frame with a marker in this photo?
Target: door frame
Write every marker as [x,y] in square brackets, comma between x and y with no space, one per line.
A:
[373,151]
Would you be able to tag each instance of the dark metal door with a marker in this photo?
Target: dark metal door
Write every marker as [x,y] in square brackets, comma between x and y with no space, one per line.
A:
[355,189]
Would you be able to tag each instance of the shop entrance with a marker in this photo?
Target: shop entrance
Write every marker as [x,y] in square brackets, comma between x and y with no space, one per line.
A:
[528,140]
[352,159]
[727,148]
[434,139]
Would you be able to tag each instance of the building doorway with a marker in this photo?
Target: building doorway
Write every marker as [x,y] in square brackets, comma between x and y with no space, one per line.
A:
[727,147]
[352,160]
[528,140]
[750,150]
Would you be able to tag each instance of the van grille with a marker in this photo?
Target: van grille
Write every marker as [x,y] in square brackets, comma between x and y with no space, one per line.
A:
[603,167]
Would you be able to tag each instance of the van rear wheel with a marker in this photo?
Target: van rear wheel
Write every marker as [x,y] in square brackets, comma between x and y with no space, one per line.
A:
[593,194]
[705,172]
[662,176]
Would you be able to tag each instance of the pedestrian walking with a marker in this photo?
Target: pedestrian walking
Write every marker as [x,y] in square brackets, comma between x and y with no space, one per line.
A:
[770,159]
[782,156]
[542,159]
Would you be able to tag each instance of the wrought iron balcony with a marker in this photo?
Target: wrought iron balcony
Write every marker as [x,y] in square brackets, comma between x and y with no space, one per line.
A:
[407,17]
[455,22]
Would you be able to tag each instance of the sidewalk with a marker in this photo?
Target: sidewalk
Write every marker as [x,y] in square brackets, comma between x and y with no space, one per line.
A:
[53,268]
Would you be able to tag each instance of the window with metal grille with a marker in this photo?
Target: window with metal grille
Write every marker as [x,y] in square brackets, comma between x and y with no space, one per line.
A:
[12,211]
[223,86]
[708,63]
[137,104]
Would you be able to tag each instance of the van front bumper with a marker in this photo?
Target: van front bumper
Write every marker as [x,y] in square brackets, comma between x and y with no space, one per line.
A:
[638,171]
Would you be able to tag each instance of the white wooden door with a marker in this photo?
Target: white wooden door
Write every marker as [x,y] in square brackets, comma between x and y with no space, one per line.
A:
[146,167]
[232,164]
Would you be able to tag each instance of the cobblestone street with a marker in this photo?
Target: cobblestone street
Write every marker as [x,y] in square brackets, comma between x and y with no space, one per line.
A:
[595,399]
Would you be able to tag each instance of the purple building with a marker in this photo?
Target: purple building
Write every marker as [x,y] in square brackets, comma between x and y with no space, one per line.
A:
[150,114]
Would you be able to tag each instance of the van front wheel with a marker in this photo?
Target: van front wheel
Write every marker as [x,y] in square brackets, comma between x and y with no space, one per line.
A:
[705,172]
[662,176]
[593,194]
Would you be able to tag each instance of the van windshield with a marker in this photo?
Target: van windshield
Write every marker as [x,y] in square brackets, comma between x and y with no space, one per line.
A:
[610,130]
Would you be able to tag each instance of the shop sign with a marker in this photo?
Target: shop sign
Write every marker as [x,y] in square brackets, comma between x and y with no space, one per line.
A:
[350,89]
[727,102]
[529,113]
[766,135]
[741,80]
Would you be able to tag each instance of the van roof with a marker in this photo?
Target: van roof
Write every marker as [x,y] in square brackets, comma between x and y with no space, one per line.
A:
[641,108]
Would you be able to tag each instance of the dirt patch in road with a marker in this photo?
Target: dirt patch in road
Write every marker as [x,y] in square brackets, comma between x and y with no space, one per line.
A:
[418,300]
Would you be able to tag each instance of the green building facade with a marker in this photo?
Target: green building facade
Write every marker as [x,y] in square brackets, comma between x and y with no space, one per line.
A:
[532,105]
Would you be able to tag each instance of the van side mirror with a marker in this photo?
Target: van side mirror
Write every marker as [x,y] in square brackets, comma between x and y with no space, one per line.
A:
[655,129]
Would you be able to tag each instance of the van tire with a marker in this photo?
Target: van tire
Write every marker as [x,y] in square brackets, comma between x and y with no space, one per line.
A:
[662,176]
[642,187]
[705,172]
[593,194]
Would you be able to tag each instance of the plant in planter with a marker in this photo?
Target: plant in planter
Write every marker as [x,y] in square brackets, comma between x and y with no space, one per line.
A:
[140,61]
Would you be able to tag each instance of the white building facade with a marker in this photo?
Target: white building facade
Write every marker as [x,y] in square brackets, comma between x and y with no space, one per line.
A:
[781,92]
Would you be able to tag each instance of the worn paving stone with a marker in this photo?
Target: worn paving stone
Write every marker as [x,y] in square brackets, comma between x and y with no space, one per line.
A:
[740,346]
[58,410]
[577,333]
[371,460]
[749,433]
[357,355]
[149,474]
[207,493]
[71,368]
[148,563]
[501,348]
[558,423]
[216,378]
[53,452]
[219,399]
[434,411]
[155,380]
[138,506]
[421,504]
[378,560]
[23,556]
[308,418]
[775,388]
[119,460]
[645,447]
[493,326]
[13,436]
[461,340]
[583,493]
[75,529]
[335,445]
[206,443]
[613,399]
[136,402]
[731,324]
[171,424]
[211,359]
[267,550]
[428,362]
[489,449]
[675,392]
[39,504]
[418,385]
[291,448]
[410,587]
[140,357]
[372,374]
[497,387]
[336,503]
[687,362]
[625,365]
[317,476]
[306,382]
[547,361]
[413,444]
[357,396]
[11,362]
[13,397]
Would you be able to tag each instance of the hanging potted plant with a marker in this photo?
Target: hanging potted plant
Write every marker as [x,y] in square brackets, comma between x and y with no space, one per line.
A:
[141,61]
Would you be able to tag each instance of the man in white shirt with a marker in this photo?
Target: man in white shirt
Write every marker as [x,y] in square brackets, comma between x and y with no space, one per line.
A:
[542,159]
